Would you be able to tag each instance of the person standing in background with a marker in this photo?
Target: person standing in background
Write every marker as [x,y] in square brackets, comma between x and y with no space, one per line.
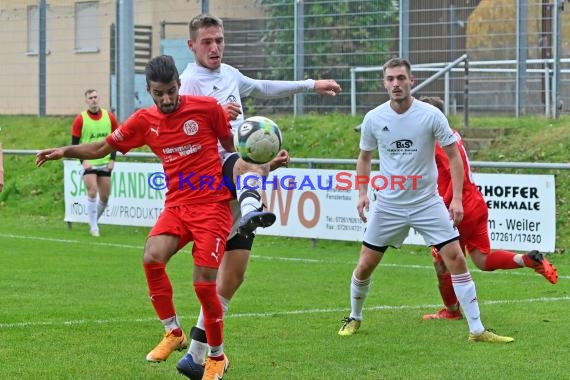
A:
[92,125]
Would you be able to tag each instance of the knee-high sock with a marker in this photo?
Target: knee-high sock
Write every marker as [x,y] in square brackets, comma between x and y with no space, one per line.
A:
[213,316]
[501,260]
[225,306]
[249,192]
[358,292]
[92,213]
[100,209]
[199,343]
[446,290]
[160,292]
[465,290]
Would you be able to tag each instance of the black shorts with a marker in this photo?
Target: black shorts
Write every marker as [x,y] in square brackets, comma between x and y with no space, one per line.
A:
[237,241]
[240,242]
[98,173]
[228,171]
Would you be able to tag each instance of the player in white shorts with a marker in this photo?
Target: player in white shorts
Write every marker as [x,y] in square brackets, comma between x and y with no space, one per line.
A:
[405,131]
[208,76]
[389,225]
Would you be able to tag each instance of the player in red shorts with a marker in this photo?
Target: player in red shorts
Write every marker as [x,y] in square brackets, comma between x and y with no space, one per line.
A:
[183,131]
[473,233]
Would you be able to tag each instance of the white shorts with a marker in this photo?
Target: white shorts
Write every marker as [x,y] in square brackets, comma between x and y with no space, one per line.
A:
[389,224]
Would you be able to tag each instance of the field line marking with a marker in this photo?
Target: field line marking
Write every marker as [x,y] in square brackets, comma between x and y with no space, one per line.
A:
[69,241]
[513,272]
[293,259]
[270,314]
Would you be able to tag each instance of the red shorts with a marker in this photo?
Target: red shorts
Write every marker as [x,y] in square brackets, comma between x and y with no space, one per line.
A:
[473,229]
[208,225]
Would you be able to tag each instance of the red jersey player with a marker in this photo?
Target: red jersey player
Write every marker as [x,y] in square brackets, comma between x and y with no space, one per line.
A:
[473,233]
[183,131]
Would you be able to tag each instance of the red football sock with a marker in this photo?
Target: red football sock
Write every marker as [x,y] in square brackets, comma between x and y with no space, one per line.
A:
[446,290]
[500,260]
[160,290]
[213,314]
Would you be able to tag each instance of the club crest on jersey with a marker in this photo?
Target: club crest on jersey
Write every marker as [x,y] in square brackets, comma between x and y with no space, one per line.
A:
[231,99]
[190,127]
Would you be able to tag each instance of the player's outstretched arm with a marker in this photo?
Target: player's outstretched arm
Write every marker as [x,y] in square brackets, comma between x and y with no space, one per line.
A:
[47,155]
[89,151]
[327,87]
[269,89]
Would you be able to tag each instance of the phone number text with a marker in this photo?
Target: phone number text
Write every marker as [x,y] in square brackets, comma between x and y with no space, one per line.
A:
[516,237]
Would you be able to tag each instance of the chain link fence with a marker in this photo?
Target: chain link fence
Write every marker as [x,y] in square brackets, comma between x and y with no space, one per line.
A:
[289,39]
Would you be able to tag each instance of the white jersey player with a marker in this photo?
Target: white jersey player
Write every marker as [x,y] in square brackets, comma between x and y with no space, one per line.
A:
[389,132]
[405,131]
[229,85]
[208,76]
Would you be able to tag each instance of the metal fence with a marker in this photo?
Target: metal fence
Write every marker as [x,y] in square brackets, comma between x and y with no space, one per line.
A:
[335,162]
[292,39]
[335,39]
[539,71]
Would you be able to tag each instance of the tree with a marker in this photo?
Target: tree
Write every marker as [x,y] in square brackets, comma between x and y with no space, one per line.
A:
[337,35]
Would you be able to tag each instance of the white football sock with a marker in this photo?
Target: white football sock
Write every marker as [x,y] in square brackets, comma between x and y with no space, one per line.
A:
[249,192]
[92,213]
[216,351]
[518,258]
[358,292]
[464,288]
[225,304]
[100,209]
[170,323]
[198,349]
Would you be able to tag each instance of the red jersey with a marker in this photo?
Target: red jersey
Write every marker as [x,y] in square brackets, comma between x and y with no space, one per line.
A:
[186,141]
[473,233]
[444,185]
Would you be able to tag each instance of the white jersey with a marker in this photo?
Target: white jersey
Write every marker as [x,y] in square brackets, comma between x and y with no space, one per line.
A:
[228,85]
[406,145]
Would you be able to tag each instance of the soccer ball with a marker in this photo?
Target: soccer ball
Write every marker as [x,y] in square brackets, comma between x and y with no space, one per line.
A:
[258,140]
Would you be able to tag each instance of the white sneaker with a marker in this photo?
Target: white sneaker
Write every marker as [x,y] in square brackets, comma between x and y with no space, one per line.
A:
[94,232]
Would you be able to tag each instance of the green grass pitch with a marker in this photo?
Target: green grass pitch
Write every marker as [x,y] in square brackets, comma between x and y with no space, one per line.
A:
[75,307]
